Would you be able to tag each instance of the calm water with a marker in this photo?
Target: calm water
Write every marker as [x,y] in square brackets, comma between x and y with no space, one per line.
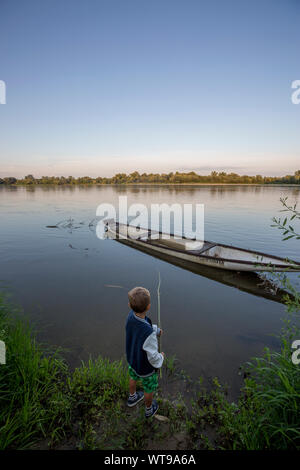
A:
[61,276]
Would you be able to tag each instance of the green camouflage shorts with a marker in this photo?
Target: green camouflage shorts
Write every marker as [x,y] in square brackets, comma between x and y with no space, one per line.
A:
[149,383]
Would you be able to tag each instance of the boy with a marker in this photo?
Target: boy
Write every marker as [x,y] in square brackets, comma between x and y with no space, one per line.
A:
[142,350]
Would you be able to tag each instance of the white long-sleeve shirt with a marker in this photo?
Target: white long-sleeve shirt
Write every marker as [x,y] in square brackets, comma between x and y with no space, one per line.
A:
[155,358]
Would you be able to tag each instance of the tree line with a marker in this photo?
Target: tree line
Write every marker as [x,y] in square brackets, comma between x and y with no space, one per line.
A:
[163,178]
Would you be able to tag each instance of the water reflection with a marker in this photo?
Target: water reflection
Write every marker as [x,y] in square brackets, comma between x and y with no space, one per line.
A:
[249,282]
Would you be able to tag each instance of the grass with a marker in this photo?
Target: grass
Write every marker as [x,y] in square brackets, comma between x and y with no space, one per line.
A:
[267,415]
[30,389]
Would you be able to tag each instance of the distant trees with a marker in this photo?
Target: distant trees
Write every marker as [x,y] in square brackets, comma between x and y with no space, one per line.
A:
[156,178]
[8,180]
[29,179]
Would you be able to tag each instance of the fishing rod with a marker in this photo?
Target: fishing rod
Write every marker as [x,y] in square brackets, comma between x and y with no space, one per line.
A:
[158,318]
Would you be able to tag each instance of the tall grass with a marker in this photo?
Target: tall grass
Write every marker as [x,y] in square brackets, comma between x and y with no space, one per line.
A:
[40,398]
[29,383]
[99,380]
[268,412]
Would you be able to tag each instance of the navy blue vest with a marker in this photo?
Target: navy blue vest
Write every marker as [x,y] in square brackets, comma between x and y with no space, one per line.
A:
[137,331]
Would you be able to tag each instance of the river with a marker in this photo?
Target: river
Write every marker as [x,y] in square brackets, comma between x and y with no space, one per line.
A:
[74,286]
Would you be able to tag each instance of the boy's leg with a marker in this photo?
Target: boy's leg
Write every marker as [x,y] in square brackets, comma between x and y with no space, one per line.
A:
[150,385]
[132,386]
[148,399]
[134,396]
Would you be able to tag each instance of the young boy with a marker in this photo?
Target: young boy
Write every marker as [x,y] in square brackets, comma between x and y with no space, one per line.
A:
[142,350]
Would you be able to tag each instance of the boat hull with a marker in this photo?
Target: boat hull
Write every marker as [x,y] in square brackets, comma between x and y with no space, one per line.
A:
[246,281]
[257,261]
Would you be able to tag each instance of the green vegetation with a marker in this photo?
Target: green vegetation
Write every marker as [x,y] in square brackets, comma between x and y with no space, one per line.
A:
[155,178]
[267,415]
[45,405]
[29,384]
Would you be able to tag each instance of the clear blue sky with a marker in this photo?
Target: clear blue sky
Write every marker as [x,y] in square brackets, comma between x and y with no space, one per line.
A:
[97,87]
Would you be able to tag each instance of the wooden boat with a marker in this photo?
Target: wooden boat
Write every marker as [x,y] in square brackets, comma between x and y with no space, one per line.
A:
[210,254]
[246,281]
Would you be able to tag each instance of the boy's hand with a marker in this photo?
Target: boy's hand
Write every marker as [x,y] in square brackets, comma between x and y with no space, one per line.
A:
[163,353]
[160,332]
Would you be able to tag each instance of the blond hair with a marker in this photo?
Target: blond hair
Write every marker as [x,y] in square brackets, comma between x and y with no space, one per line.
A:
[139,299]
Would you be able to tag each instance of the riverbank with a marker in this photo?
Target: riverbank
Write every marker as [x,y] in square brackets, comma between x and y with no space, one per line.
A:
[70,185]
[45,405]
[158,178]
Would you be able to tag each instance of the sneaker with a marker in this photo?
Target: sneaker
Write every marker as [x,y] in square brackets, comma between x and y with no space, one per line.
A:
[154,409]
[134,401]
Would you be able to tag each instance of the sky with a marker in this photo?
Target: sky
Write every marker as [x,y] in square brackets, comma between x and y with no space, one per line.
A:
[98,87]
